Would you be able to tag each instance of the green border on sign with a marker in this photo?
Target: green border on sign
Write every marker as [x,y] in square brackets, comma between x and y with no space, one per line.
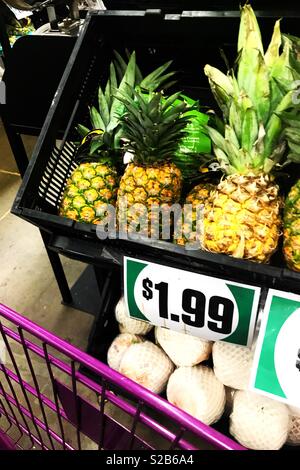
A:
[243,295]
[244,298]
[266,377]
[133,269]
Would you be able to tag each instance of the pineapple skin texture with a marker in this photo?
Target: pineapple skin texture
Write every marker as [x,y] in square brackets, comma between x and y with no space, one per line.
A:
[291,233]
[198,196]
[90,187]
[242,218]
[146,186]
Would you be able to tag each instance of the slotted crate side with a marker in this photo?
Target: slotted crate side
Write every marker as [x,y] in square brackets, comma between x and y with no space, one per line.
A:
[59,168]
[62,160]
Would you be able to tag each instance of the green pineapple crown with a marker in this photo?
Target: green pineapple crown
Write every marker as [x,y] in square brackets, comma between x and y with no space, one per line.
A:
[153,126]
[107,131]
[256,101]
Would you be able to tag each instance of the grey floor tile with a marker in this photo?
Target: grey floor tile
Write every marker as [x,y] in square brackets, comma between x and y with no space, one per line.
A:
[9,185]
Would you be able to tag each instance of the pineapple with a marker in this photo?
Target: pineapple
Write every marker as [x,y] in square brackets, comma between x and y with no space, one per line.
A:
[190,233]
[90,188]
[291,234]
[94,184]
[153,126]
[242,216]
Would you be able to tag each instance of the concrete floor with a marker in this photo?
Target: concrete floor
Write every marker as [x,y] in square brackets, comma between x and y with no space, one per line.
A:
[27,284]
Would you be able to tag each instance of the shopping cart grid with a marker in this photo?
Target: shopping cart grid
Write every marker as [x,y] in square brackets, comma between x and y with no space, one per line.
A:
[70,410]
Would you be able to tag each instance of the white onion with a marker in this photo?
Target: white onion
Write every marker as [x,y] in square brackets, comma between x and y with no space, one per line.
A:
[294,431]
[197,391]
[258,422]
[147,365]
[183,349]
[128,324]
[118,347]
[232,364]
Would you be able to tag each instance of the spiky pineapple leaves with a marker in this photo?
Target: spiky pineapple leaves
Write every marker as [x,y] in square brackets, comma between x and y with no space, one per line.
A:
[272,53]
[96,119]
[221,86]
[154,81]
[127,83]
[158,79]
[253,101]
[153,125]
[104,107]
[121,66]
[82,130]
[123,78]
[292,134]
[106,117]
[249,28]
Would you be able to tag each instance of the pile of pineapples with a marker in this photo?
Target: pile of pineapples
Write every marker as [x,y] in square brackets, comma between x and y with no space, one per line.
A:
[258,135]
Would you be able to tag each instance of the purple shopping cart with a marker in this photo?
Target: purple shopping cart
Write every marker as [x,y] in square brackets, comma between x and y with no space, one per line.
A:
[47,402]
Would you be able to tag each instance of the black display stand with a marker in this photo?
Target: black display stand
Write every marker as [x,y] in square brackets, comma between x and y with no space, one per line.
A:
[33,69]
[29,96]
[85,292]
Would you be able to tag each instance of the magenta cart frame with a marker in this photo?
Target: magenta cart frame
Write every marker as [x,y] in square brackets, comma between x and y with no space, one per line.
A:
[24,409]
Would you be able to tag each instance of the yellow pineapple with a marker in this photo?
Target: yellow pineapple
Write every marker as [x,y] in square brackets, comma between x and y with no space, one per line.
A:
[93,184]
[291,245]
[291,233]
[242,217]
[189,231]
[153,126]
[88,191]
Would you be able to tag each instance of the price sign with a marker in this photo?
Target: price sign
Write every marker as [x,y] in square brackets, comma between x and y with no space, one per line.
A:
[276,367]
[203,306]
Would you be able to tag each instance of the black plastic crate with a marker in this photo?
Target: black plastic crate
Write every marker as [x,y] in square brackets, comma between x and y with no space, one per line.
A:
[191,39]
[192,5]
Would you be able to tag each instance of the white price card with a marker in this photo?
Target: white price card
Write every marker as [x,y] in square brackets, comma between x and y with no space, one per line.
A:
[276,367]
[208,307]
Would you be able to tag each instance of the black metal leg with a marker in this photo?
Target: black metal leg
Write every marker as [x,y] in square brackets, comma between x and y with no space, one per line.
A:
[58,271]
[4,39]
[17,147]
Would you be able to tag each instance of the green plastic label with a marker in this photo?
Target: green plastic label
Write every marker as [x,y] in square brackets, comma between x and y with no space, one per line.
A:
[276,368]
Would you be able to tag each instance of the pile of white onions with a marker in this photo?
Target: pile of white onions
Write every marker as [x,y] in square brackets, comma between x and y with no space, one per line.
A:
[175,364]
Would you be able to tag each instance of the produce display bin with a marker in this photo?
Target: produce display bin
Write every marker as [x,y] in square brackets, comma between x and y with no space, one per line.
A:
[61,408]
[191,39]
